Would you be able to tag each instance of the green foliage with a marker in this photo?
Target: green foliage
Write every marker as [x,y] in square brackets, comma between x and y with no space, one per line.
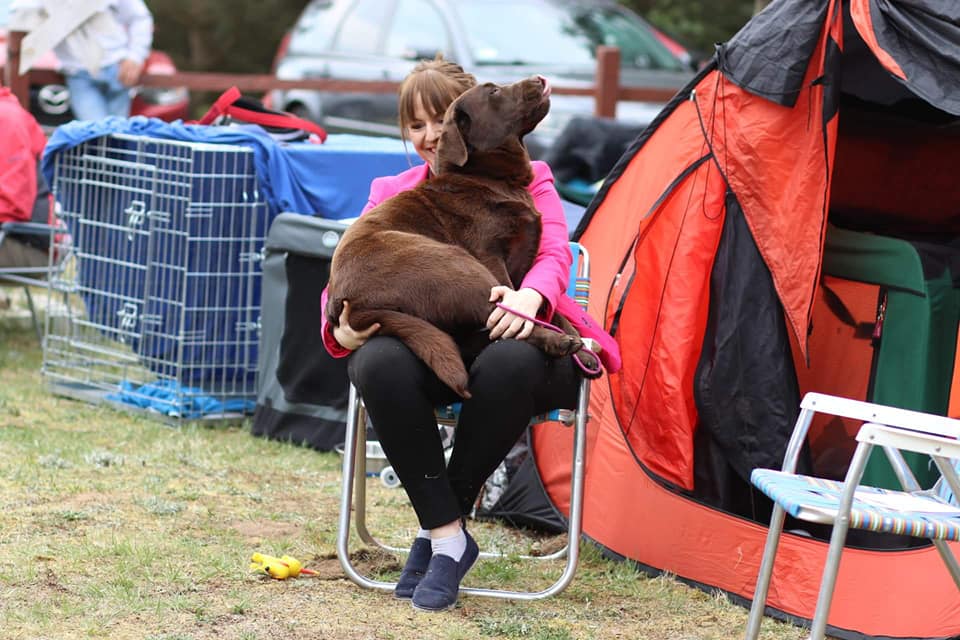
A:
[513,624]
[239,36]
[696,24]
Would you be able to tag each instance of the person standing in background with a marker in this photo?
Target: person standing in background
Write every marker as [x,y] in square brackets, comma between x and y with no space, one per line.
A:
[101,46]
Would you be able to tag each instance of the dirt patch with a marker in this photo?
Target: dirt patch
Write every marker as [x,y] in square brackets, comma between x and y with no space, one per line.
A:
[368,562]
[256,531]
[52,582]
[84,500]
[547,546]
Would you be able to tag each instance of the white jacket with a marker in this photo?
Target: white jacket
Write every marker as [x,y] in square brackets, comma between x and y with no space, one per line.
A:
[84,34]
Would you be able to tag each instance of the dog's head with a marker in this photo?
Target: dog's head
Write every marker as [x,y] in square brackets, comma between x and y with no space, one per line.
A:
[491,117]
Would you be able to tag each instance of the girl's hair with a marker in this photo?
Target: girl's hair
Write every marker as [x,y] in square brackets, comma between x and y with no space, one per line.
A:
[437,82]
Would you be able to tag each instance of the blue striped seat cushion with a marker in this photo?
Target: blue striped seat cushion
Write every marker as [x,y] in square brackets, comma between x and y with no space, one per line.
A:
[924,515]
[942,488]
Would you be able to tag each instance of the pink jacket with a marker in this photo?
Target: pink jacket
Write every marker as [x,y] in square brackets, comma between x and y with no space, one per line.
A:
[548,275]
[21,146]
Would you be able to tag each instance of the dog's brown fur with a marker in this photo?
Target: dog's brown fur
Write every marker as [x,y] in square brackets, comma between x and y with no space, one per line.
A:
[423,262]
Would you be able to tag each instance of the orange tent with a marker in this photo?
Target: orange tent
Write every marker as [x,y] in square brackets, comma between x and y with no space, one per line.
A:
[707,244]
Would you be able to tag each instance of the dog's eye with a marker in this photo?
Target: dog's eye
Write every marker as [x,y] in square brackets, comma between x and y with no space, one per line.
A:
[494,90]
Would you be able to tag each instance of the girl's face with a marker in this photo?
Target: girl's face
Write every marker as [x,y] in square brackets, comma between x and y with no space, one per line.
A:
[424,133]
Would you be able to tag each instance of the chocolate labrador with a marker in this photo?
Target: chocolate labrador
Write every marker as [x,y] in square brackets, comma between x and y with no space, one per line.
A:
[423,262]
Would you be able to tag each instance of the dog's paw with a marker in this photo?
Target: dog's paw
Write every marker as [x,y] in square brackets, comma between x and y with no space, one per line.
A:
[563,344]
[589,364]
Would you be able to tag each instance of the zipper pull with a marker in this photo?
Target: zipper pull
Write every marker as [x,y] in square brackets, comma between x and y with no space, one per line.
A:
[881,314]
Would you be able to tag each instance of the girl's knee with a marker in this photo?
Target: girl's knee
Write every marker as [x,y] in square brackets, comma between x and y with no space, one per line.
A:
[382,360]
[514,360]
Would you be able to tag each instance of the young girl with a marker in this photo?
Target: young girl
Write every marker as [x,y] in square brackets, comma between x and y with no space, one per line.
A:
[510,380]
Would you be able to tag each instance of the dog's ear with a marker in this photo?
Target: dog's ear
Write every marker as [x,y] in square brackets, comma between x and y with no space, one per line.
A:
[483,121]
[453,141]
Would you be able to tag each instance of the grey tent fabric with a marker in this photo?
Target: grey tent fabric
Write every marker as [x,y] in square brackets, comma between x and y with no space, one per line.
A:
[862,75]
[769,56]
[923,37]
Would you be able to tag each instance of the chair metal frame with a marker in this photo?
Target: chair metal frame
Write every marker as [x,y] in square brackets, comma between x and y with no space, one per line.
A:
[353,488]
[27,277]
[892,429]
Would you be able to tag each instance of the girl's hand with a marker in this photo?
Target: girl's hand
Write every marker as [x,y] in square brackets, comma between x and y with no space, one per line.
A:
[503,324]
[346,336]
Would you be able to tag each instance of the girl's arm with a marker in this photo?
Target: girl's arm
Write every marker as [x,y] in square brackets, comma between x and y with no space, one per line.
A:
[550,272]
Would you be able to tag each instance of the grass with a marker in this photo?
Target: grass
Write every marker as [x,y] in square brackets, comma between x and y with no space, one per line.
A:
[117,526]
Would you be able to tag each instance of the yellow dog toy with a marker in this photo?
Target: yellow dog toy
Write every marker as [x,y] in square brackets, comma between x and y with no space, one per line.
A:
[279,568]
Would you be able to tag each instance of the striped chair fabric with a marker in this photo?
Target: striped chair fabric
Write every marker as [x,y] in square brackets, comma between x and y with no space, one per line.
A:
[796,493]
[942,488]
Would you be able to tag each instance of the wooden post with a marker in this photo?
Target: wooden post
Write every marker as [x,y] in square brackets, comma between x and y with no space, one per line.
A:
[19,84]
[607,81]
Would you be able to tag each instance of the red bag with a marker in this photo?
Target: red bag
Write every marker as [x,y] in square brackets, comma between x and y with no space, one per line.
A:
[234,107]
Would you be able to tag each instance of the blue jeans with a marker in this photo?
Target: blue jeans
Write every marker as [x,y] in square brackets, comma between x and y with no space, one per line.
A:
[93,97]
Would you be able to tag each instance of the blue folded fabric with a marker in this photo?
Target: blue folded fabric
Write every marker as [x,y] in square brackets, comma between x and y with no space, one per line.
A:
[330,179]
[171,399]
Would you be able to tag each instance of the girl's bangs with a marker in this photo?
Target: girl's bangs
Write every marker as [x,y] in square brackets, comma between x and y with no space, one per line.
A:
[435,90]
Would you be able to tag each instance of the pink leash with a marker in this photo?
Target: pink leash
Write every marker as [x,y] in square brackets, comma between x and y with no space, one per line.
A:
[590,372]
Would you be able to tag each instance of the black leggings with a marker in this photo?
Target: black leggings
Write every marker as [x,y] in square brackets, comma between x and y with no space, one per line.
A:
[510,381]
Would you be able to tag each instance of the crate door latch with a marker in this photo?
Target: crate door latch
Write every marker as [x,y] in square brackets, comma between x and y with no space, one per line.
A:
[128,318]
[135,216]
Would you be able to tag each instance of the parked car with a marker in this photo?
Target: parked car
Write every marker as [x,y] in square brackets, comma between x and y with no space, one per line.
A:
[496,40]
[50,102]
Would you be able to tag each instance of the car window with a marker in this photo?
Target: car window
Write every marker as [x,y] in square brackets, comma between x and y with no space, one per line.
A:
[361,29]
[539,32]
[639,47]
[417,31]
[522,32]
[314,28]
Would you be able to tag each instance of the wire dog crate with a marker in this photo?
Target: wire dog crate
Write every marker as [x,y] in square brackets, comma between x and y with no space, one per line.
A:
[163,296]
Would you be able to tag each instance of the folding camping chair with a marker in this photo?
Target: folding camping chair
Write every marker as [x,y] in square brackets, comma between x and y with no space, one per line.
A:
[933,514]
[354,467]
[25,276]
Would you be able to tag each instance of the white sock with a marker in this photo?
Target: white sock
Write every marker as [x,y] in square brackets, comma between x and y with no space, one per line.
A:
[424,533]
[452,546]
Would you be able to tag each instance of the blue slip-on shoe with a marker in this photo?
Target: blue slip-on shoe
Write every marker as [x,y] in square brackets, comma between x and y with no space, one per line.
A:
[413,571]
[438,589]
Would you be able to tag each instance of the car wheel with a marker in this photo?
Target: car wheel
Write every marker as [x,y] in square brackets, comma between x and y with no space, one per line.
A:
[301,111]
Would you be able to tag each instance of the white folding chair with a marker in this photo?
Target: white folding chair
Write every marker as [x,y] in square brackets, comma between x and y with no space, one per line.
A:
[353,488]
[933,514]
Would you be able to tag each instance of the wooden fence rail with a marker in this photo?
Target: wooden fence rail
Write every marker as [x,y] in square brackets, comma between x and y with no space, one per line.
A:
[606,89]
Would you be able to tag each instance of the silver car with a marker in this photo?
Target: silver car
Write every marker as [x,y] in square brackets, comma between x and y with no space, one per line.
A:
[496,40]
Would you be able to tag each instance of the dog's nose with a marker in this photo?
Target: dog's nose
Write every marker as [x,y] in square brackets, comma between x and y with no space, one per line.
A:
[546,86]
